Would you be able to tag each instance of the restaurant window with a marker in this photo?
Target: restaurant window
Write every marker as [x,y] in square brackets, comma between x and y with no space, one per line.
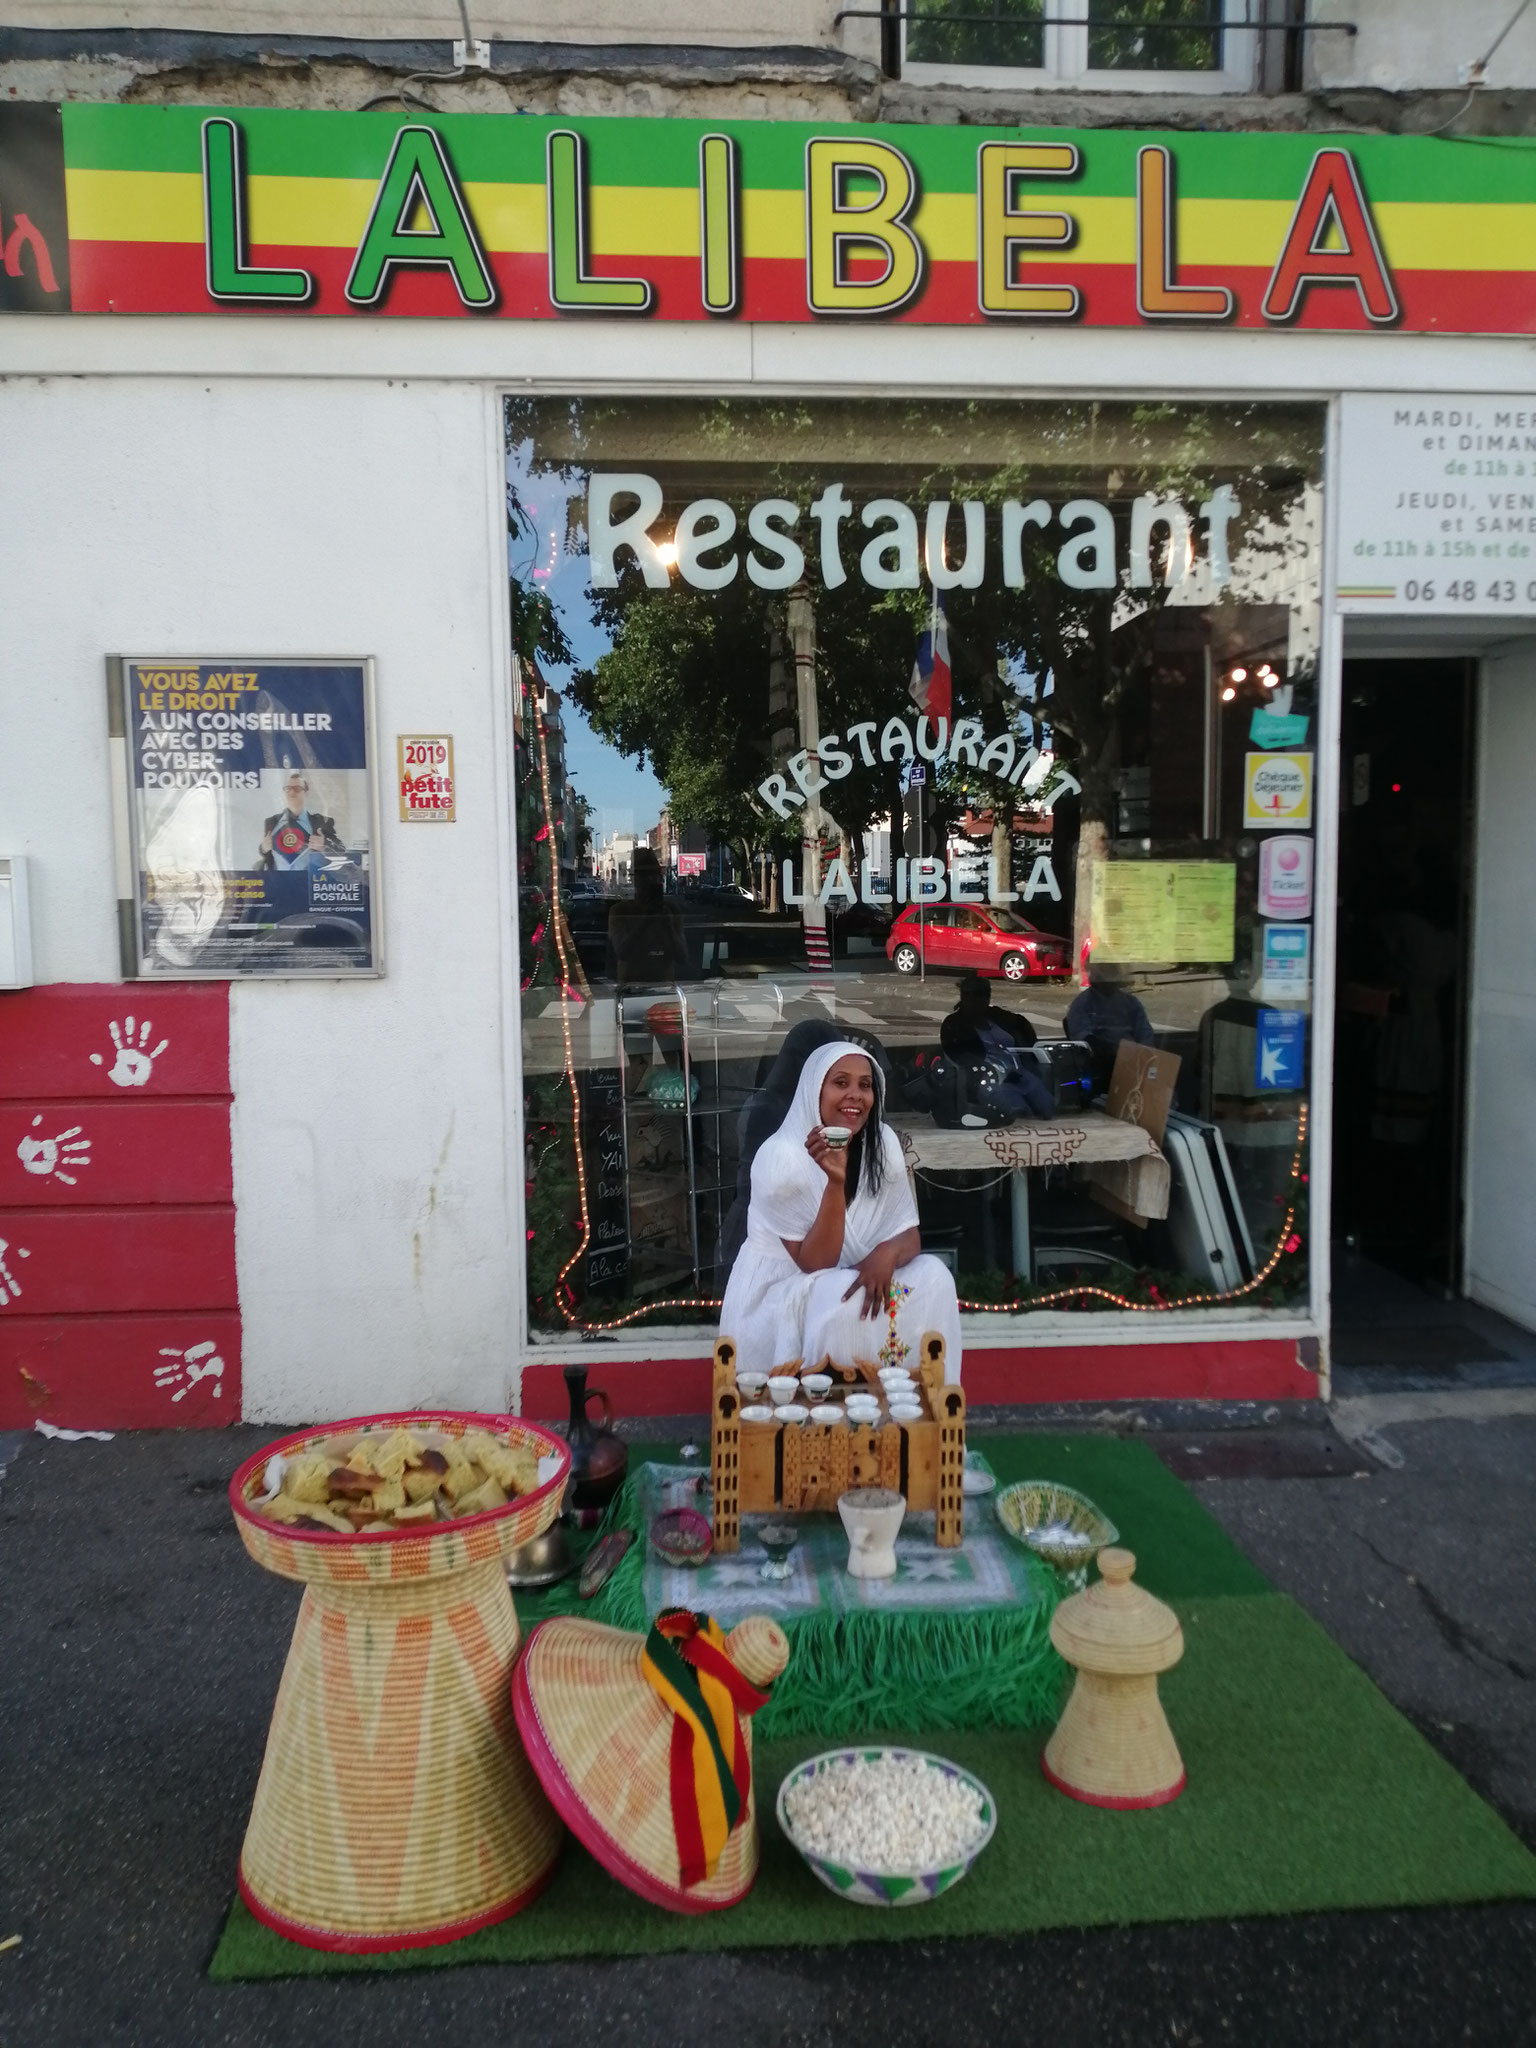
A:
[1197,44]
[978,733]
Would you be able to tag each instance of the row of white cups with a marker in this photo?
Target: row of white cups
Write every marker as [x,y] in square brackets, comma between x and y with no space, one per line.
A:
[898,1399]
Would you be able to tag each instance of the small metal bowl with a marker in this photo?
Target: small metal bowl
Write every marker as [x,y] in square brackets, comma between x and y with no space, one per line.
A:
[543,1562]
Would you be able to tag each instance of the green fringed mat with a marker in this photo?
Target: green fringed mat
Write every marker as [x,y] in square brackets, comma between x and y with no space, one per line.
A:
[1307,1791]
[958,1639]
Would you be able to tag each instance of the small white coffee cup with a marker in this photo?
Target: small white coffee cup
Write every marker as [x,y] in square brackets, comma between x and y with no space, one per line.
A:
[836,1135]
[782,1389]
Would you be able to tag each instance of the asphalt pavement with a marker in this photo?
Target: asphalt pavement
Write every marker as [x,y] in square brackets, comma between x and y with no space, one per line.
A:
[143,1651]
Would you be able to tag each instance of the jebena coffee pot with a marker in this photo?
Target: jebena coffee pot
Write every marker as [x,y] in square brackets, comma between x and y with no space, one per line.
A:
[599,1457]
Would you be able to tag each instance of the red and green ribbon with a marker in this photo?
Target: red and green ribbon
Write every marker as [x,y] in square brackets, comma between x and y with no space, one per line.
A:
[685,1663]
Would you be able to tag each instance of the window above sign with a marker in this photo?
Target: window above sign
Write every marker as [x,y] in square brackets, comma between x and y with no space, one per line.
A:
[1119,45]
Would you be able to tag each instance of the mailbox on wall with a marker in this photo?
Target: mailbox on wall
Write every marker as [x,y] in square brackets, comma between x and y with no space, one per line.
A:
[15,923]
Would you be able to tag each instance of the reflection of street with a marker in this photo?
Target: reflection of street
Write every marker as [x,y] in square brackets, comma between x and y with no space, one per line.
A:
[867,996]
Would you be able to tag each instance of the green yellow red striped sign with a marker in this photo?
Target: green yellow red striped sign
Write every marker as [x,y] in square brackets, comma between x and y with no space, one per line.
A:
[183,209]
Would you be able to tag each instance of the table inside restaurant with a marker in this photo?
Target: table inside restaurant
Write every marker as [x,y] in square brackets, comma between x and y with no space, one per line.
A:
[1120,1157]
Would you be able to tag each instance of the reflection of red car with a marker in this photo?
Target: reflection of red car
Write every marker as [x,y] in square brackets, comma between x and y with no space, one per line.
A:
[975,940]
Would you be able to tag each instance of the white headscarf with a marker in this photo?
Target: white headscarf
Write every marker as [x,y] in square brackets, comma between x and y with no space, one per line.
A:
[805,1111]
[787,1184]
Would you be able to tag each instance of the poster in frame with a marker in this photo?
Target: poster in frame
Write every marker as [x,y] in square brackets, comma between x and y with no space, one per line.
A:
[248,819]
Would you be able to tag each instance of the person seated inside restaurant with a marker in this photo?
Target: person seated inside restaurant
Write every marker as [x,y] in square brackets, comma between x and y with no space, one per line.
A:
[832,1267]
[645,931]
[1105,1012]
[976,1024]
[976,1031]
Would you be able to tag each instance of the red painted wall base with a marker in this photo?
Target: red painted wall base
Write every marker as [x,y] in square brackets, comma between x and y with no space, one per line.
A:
[118,1300]
[1243,1369]
[177,1369]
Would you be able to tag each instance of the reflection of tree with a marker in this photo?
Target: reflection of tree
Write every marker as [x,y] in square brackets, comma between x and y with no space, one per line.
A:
[670,693]
[536,630]
[1121,35]
[688,687]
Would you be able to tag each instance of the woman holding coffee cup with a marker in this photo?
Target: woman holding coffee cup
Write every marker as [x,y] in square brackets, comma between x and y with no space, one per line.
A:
[832,1266]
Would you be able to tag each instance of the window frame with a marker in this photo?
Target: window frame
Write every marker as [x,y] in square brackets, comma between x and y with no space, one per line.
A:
[650,1347]
[1066,64]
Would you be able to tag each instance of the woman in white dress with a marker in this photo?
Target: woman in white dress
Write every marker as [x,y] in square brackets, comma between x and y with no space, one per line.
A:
[831,1267]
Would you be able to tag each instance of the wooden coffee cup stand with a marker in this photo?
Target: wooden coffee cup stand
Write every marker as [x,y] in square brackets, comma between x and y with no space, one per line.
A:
[804,1467]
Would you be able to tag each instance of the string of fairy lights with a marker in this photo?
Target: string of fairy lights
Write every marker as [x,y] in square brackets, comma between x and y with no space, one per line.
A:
[557,923]
[1287,1240]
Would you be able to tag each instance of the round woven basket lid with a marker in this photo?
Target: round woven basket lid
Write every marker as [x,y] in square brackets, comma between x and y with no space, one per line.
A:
[600,1739]
[1116,1626]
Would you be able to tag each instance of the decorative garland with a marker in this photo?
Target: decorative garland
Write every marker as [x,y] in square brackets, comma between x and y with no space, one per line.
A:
[1289,1246]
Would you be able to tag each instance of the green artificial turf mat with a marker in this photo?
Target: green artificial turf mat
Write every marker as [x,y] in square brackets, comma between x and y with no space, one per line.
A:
[1182,1553]
[1307,1791]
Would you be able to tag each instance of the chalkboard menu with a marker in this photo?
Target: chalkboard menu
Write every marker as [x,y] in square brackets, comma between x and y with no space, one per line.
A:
[603,1150]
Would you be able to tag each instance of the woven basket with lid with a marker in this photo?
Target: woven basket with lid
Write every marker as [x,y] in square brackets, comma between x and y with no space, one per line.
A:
[396,1806]
[600,1739]
[1113,1745]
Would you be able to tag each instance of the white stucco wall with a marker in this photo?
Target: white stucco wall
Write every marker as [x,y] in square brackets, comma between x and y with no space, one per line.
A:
[579,21]
[275,517]
[1413,45]
[1402,45]
[292,486]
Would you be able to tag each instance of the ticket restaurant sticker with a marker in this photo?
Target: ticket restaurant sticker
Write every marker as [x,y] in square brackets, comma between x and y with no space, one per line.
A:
[1277,790]
[1285,877]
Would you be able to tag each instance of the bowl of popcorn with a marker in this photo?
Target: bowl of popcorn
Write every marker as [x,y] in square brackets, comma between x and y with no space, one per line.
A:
[886,1826]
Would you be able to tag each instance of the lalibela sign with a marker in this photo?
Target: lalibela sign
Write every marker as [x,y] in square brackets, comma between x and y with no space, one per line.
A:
[184,209]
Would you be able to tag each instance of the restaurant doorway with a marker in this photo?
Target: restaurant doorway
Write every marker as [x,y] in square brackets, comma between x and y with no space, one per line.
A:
[1405,877]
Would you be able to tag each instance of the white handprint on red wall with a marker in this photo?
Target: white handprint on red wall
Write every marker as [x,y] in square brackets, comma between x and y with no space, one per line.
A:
[55,1155]
[133,1065]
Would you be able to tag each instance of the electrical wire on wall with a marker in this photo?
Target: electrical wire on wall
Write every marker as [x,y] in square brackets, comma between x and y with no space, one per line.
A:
[476,63]
[1477,72]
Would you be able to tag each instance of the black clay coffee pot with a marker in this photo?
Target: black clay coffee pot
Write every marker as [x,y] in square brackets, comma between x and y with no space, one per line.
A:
[599,1458]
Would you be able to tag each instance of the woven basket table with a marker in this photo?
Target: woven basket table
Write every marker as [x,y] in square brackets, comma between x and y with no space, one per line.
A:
[396,1805]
